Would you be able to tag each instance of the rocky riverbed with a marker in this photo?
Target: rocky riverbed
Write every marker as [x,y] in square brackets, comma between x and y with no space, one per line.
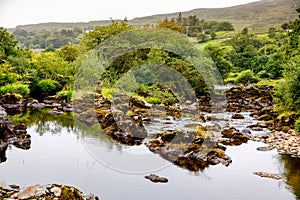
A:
[42,192]
[286,143]
[194,146]
[123,120]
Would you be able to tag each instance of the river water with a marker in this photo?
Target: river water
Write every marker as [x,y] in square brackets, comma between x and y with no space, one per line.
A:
[66,154]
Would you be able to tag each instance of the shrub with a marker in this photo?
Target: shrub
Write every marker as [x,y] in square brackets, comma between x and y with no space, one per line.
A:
[246,76]
[107,92]
[47,86]
[153,100]
[68,93]
[297,125]
[202,37]
[16,88]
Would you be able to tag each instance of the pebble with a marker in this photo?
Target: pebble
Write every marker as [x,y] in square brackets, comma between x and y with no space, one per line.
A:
[285,143]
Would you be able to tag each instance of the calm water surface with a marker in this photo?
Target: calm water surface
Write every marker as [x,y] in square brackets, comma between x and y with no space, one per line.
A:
[95,164]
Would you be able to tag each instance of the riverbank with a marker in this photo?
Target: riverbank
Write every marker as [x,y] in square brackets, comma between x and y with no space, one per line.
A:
[41,192]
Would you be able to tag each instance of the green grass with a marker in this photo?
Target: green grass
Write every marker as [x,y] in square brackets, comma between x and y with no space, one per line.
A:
[212,42]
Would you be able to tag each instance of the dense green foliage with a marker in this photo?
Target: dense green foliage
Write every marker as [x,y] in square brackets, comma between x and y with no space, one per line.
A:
[45,38]
[244,58]
[16,88]
[101,33]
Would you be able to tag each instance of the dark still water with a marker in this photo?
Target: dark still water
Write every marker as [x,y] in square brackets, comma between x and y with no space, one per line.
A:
[93,163]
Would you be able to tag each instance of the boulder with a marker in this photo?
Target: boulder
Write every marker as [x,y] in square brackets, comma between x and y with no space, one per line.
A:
[11,99]
[265,117]
[53,191]
[2,112]
[237,116]
[55,99]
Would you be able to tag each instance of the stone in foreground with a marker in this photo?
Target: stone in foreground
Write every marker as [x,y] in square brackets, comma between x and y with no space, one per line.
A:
[39,192]
[156,179]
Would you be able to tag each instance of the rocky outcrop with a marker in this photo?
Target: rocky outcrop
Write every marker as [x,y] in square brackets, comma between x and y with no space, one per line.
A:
[41,192]
[231,136]
[192,149]
[248,98]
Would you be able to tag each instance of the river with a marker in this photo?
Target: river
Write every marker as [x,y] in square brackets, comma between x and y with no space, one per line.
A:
[66,154]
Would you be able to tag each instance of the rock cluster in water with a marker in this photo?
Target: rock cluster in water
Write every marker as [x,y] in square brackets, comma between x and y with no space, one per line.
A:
[122,119]
[285,142]
[42,192]
[12,103]
[12,135]
[192,148]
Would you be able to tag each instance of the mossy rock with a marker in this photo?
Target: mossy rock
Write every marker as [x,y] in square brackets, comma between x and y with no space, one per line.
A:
[68,193]
[11,98]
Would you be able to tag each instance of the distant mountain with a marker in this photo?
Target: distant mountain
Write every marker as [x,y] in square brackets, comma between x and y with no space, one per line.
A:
[258,15]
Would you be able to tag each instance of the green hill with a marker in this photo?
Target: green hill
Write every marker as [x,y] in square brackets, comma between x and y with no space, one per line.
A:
[258,15]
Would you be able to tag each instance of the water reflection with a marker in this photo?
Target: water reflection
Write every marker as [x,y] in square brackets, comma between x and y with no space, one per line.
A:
[59,155]
[292,173]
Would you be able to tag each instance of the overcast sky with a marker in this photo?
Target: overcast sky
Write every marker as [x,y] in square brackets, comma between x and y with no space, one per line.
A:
[20,12]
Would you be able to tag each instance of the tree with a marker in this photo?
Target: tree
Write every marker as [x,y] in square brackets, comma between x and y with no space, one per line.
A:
[218,56]
[179,19]
[272,33]
[7,44]
[245,49]
[213,35]
[202,37]
[69,52]
[170,24]
[100,34]
[289,91]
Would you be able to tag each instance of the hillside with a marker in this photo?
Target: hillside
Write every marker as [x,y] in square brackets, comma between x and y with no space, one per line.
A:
[257,15]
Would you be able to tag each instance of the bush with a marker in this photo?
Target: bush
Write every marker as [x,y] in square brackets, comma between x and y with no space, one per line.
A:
[68,93]
[16,88]
[297,125]
[107,92]
[202,37]
[246,76]
[153,100]
[47,86]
